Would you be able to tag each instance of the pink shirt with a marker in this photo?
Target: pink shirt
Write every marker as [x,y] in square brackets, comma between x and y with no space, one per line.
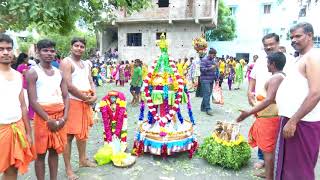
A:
[22,68]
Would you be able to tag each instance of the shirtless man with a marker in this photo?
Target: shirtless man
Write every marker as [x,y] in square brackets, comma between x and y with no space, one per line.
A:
[298,101]
[15,151]
[48,95]
[266,113]
[82,94]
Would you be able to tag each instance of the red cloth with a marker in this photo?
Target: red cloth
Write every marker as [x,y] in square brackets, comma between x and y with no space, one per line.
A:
[263,133]
[12,151]
[80,118]
[44,138]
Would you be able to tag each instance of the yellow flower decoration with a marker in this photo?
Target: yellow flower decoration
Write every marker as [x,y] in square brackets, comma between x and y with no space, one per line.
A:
[121,103]
[239,140]
[103,103]
[123,135]
[162,129]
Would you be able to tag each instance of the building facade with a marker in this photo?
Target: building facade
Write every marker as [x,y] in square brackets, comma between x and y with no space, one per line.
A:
[309,12]
[180,20]
[254,19]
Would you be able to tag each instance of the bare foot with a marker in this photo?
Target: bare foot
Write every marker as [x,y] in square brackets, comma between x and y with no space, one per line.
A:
[72,176]
[259,165]
[261,174]
[87,163]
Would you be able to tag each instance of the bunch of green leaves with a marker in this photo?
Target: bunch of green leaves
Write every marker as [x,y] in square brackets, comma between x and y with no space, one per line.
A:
[231,157]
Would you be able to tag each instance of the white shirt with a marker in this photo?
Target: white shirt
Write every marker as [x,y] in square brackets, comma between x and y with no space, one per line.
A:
[48,87]
[292,92]
[10,106]
[261,74]
[80,77]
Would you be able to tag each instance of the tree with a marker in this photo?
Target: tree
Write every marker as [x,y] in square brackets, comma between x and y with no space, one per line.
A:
[62,42]
[61,15]
[226,27]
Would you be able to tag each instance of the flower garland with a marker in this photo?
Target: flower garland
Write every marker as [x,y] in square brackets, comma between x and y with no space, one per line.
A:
[152,107]
[189,108]
[141,116]
[119,117]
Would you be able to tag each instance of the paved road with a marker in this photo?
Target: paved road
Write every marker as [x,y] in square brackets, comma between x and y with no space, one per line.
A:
[179,167]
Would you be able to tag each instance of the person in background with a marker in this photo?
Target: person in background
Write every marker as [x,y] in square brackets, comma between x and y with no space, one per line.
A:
[95,72]
[239,75]
[207,78]
[122,69]
[222,70]
[23,67]
[56,61]
[127,72]
[231,74]
[136,82]
[250,67]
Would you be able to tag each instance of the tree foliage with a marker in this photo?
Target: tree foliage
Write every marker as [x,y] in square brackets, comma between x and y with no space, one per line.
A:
[61,15]
[226,27]
[62,42]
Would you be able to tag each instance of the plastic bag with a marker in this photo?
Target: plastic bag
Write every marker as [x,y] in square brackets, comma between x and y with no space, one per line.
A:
[104,155]
[115,144]
[217,97]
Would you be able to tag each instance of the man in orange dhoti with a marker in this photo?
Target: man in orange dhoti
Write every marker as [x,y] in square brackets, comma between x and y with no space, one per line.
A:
[15,132]
[82,94]
[48,95]
[263,132]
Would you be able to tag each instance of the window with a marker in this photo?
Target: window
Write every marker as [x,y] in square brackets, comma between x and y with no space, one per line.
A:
[266,31]
[316,41]
[163,3]
[232,11]
[302,12]
[134,39]
[159,34]
[266,8]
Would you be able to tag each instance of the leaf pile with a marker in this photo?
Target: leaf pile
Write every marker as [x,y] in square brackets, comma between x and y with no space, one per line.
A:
[229,157]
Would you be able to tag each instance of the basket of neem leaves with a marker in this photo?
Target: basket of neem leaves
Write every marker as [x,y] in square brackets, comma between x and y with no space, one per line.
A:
[226,147]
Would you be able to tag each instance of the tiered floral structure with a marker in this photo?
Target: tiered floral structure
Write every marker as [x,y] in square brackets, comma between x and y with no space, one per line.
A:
[165,131]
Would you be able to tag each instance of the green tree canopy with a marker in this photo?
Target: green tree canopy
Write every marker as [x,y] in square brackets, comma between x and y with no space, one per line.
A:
[226,26]
[61,15]
[63,42]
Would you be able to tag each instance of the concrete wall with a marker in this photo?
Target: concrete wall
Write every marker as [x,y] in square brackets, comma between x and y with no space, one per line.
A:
[251,22]
[180,37]
[177,10]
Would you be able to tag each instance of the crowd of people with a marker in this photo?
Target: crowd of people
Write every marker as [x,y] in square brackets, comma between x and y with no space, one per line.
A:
[58,95]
